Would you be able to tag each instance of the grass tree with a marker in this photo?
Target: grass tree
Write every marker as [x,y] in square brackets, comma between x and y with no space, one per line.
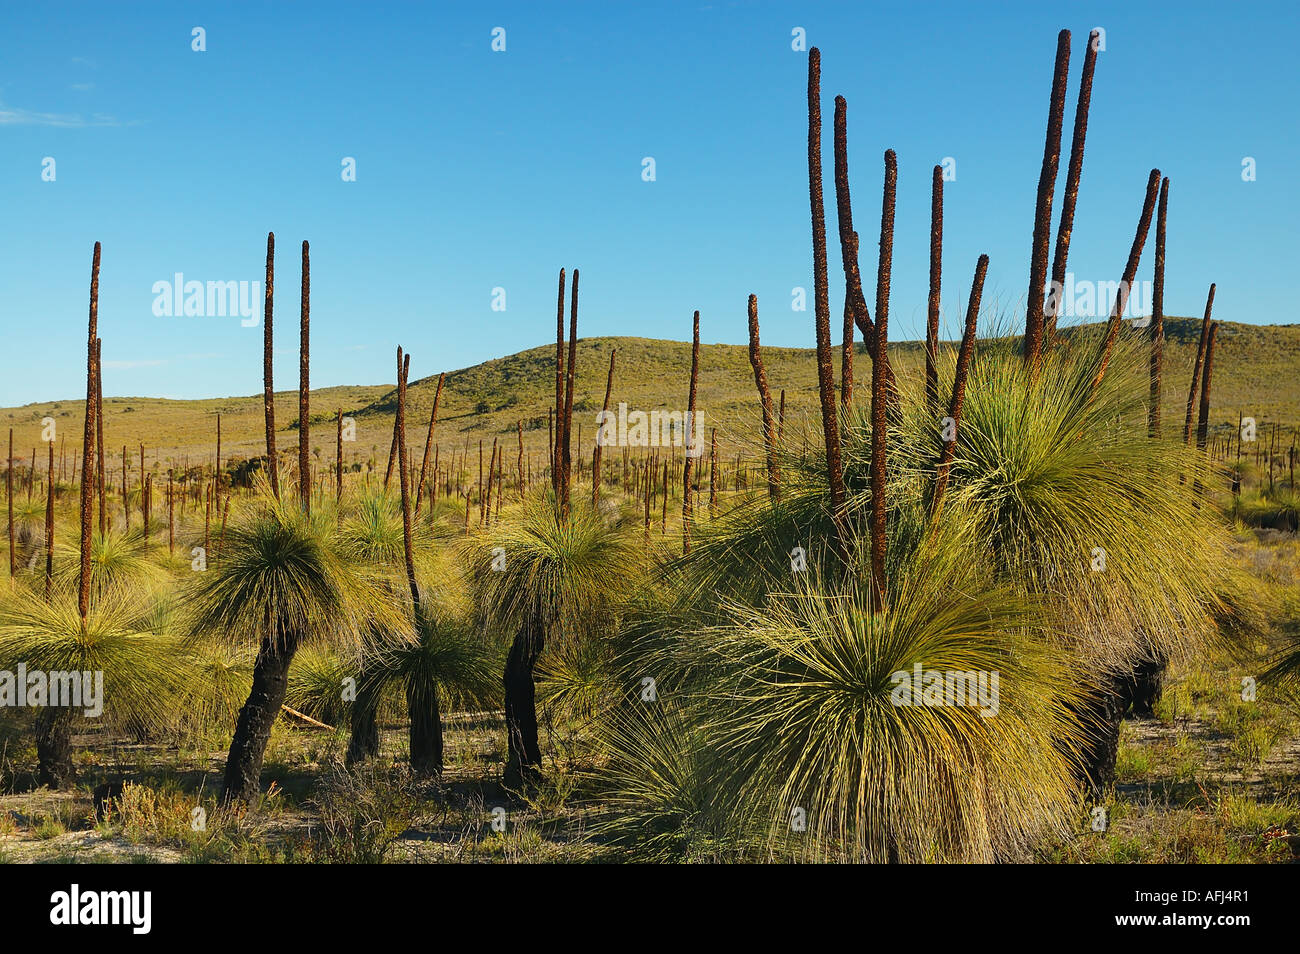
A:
[371,535]
[1048,468]
[779,709]
[805,714]
[447,664]
[545,578]
[282,582]
[118,558]
[122,635]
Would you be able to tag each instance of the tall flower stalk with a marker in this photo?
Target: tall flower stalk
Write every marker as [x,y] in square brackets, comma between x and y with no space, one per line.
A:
[268,388]
[1043,206]
[1070,197]
[1158,314]
[936,279]
[821,295]
[88,441]
[688,466]
[1196,370]
[304,385]
[765,403]
[1130,273]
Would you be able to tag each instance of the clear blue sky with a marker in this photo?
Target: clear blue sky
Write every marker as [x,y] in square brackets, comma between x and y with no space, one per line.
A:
[478,169]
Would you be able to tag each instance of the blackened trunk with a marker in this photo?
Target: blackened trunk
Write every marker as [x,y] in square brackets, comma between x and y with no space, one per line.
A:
[253,730]
[426,729]
[524,759]
[1146,685]
[364,740]
[1101,714]
[54,747]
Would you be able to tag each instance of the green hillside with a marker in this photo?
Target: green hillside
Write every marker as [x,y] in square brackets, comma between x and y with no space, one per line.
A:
[1257,373]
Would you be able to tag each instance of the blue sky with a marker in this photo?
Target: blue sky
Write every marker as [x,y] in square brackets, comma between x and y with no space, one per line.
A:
[479,169]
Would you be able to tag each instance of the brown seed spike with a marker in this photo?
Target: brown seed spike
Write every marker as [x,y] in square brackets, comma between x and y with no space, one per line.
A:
[338,463]
[936,274]
[1158,315]
[846,361]
[596,454]
[559,390]
[9,495]
[692,450]
[1130,273]
[959,385]
[1196,371]
[880,388]
[304,385]
[1043,206]
[855,306]
[566,448]
[49,524]
[268,388]
[848,237]
[403,364]
[765,402]
[821,296]
[428,442]
[1203,422]
[101,469]
[88,442]
[885,266]
[1065,227]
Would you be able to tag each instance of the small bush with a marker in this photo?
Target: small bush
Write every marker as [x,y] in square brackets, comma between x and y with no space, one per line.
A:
[364,811]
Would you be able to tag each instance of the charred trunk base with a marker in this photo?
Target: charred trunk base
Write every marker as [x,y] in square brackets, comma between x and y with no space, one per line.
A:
[253,730]
[1145,686]
[1101,714]
[54,747]
[426,730]
[524,755]
[363,743]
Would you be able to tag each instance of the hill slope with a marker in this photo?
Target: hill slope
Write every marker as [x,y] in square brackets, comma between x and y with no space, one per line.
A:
[1257,373]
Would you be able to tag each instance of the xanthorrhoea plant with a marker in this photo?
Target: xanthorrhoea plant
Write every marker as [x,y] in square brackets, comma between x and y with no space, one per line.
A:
[119,636]
[282,581]
[791,713]
[555,581]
